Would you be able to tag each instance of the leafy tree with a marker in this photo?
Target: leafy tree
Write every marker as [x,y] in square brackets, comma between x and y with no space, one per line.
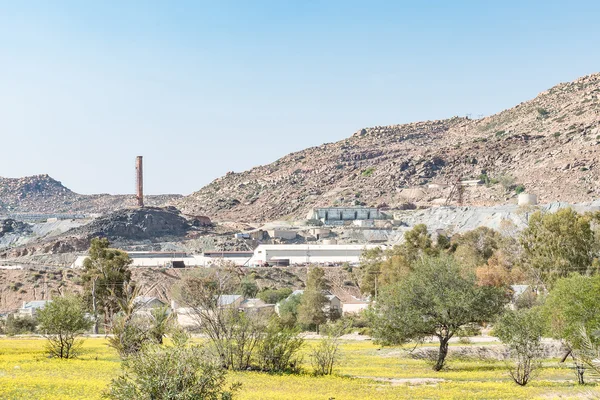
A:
[105,272]
[313,301]
[61,322]
[522,331]
[171,373]
[274,296]
[383,267]
[476,247]
[434,300]
[288,310]
[556,245]
[248,287]
[573,303]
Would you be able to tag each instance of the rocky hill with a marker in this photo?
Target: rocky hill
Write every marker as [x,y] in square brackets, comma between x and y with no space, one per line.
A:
[547,146]
[43,194]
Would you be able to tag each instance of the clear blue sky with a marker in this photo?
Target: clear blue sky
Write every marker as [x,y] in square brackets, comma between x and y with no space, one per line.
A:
[202,88]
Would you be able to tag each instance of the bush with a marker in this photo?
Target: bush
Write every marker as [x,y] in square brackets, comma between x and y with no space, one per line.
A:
[278,349]
[19,326]
[273,296]
[519,189]
[171,373]
[368,172]
[61,321]
[324,356]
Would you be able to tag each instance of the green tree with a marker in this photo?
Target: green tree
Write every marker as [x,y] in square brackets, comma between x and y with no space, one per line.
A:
[105,271]
[288,310]
[274,296]
[474,248]
[313,301]
[248,287]
[558,244]
[382,267]
[434,300]
[522,331]
[61,322]
[572,308]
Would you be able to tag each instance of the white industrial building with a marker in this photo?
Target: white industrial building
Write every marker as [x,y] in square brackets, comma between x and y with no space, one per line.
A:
[286,254]
[180,259]
[339,215]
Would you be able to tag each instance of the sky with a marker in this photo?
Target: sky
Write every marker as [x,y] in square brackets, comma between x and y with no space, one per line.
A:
[200,88]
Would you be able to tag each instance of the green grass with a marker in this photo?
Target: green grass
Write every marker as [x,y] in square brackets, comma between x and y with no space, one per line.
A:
[27,373]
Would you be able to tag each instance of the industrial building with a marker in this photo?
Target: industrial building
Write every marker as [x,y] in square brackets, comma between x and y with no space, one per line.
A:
[162,259]
[339,215]
[155,259]
[287,254]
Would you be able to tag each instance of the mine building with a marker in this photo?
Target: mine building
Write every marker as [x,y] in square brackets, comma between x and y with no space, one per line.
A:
[341,215]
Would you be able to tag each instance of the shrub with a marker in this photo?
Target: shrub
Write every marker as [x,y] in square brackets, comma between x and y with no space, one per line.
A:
[278,349]
[368,172]
[324,356]
[519,189]
[19,326]
[61,321]
[171,373]
[542,112]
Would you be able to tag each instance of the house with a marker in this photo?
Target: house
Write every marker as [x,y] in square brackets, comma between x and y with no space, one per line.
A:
[30,308]
[354,306]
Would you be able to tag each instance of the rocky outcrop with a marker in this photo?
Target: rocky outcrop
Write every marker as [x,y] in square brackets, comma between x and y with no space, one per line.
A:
[550,145]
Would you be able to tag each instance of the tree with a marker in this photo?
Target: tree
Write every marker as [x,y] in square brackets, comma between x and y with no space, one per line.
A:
[383,267]
[274,296]
[248,287]
[232,335]
[434,300]
[522,331]
[288,310]
[61,322]
[570,308]
[556,245]
[171,373]
[105,271]
[474,248]
[310,311]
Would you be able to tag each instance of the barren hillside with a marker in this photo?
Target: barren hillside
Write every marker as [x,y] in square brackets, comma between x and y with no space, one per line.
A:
[43,194]
[549,145]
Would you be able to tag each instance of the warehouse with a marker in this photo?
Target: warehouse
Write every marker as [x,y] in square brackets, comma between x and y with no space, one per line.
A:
[287,254]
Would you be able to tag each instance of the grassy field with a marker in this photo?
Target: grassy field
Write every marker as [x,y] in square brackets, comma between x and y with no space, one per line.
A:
[365,372]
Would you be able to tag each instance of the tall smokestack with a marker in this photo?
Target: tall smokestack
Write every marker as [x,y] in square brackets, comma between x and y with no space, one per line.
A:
[140,181]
